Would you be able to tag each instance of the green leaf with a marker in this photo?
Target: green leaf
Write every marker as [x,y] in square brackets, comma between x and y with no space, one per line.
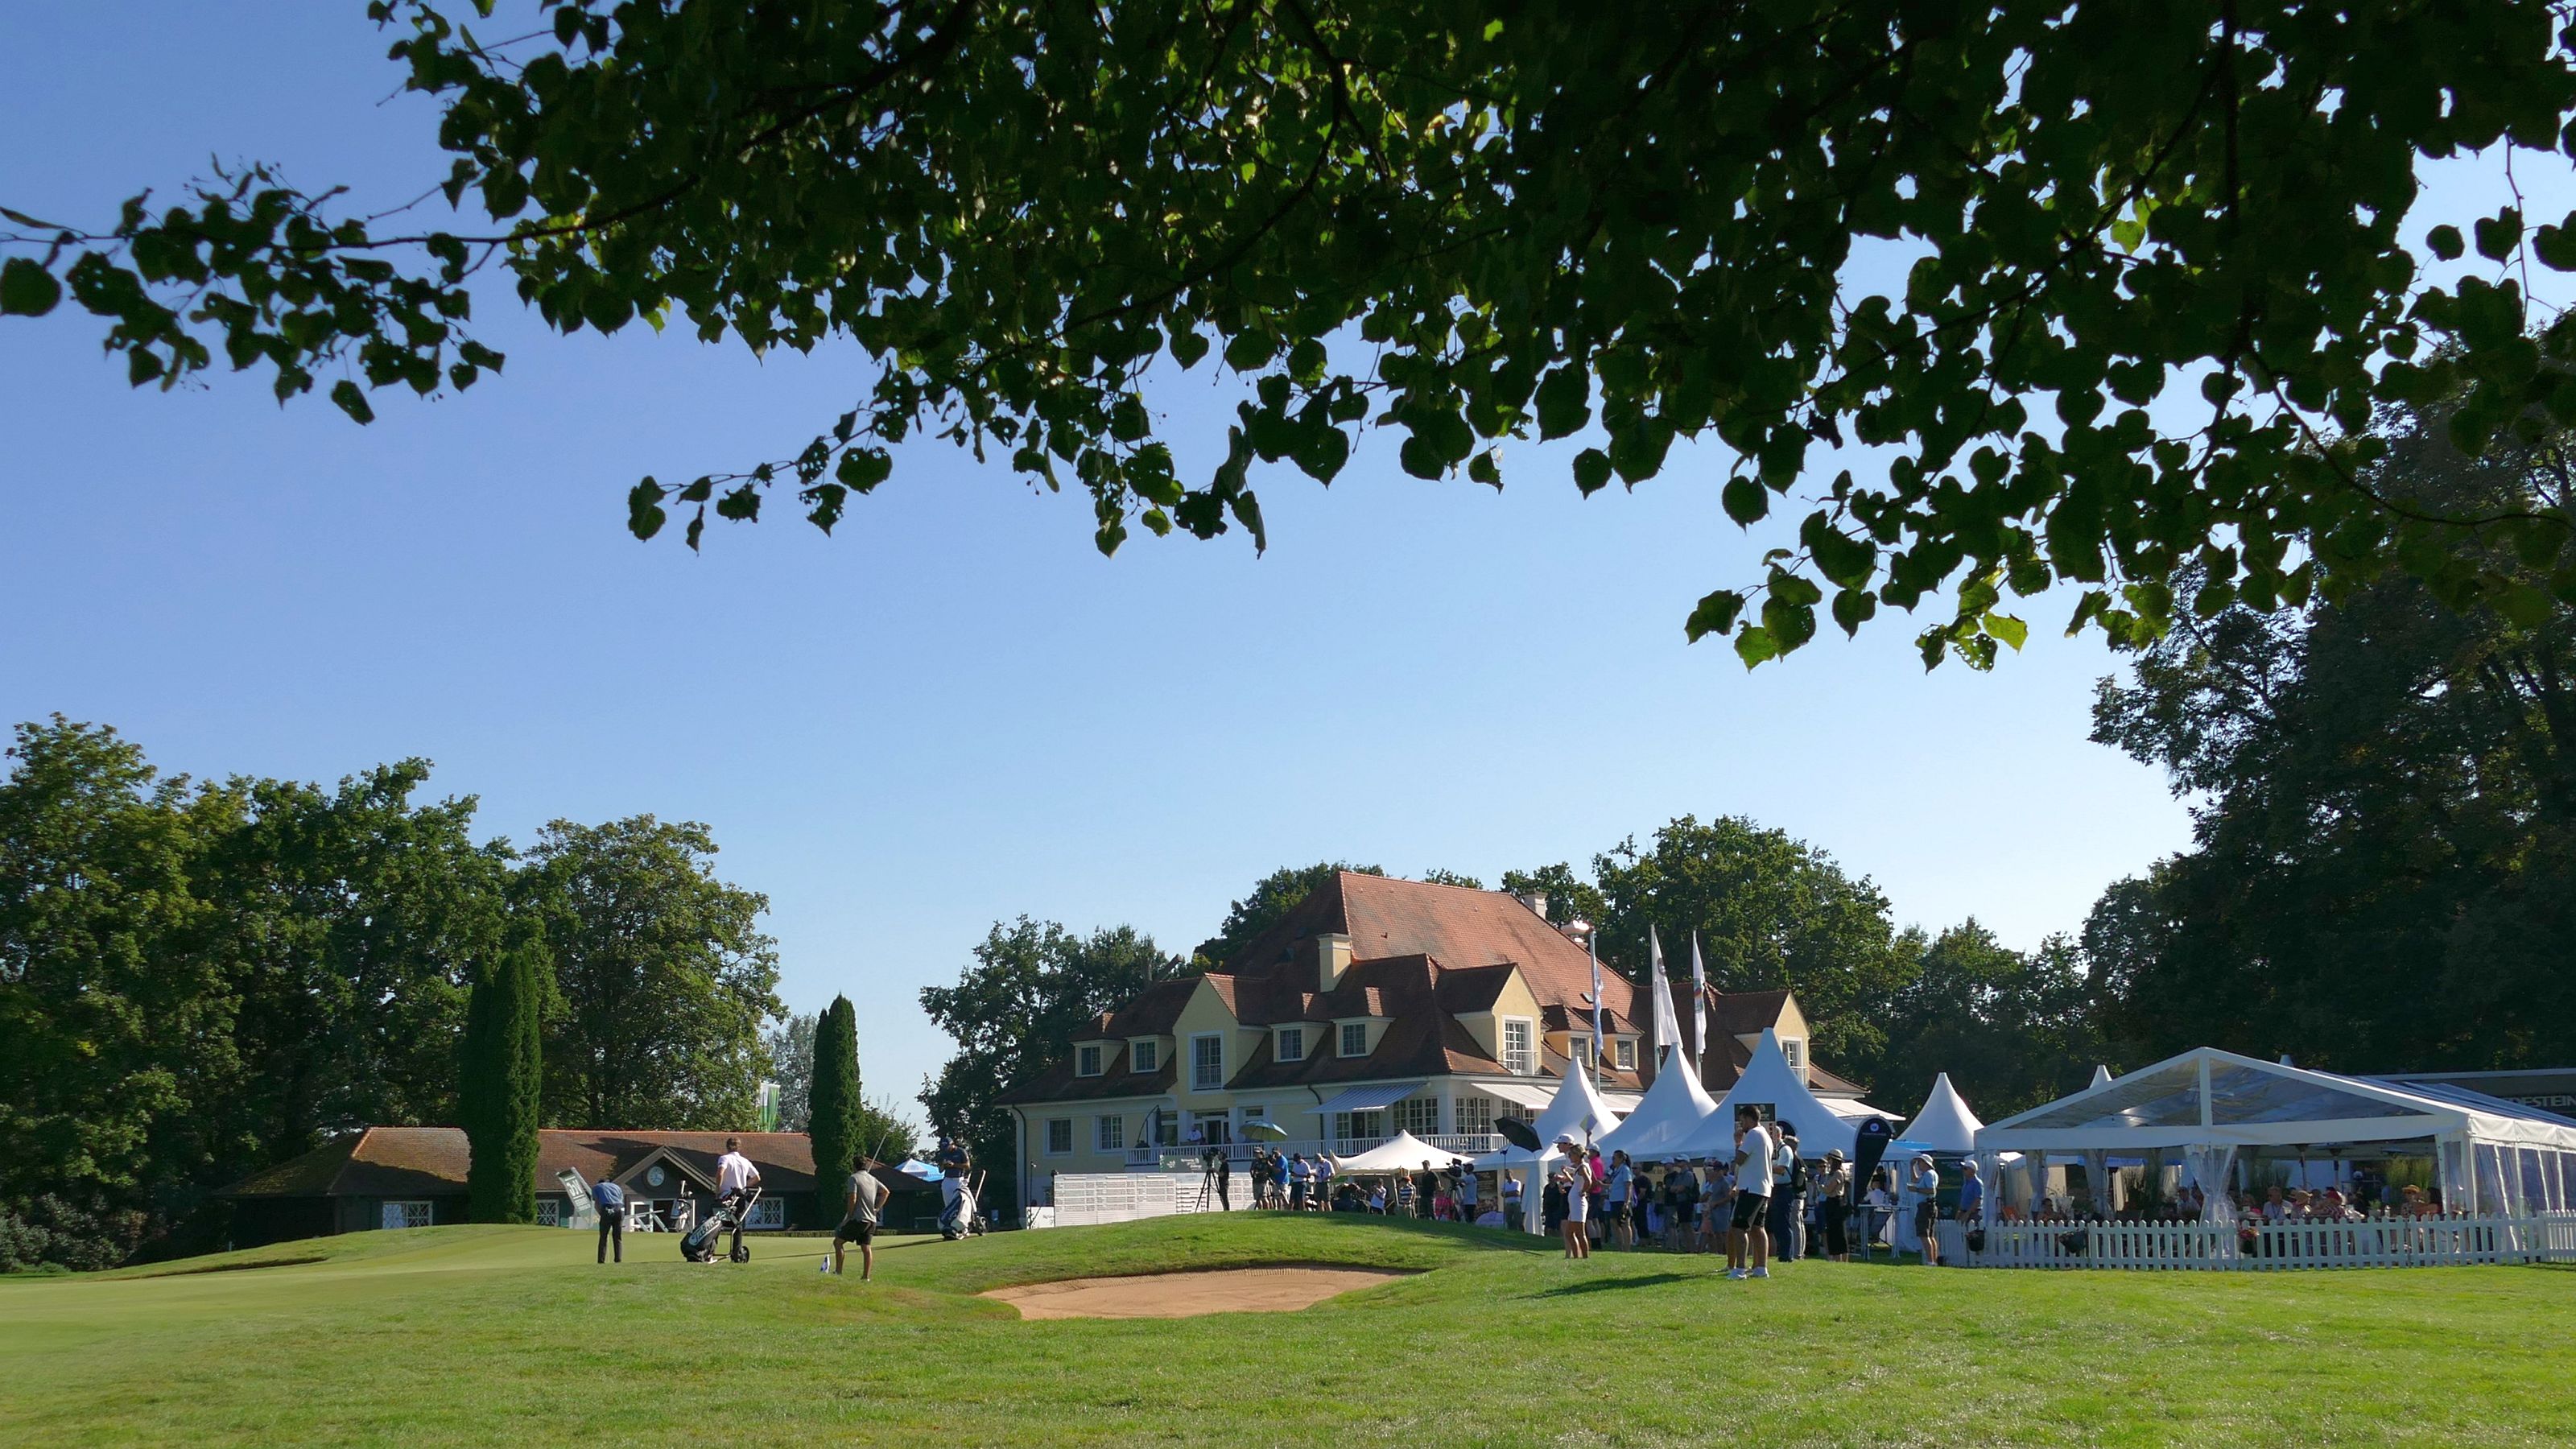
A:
[1746,501]
[644,516]
[1564,401]
[862,469]
[1715,614]
[351,400]
[2007,628]
[1755,645]
[2445,242]
[27,289]
[2499,234]
[1591,471]
[2556,245]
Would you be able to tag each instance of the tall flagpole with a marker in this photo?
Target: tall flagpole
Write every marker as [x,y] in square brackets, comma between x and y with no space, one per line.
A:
[1591,947]
[1699,1004]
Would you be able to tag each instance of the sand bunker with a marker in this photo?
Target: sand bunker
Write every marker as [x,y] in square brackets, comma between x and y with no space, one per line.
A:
[1186,1295]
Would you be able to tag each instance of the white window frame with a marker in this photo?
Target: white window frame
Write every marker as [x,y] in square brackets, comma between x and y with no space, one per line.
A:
[1345,1038]
[1109,1133]
[1794,1050]
[1088,1061]
[1144,1056]
[1626,1054]
[551,1212]
[397,1213]
[1051,1150]
[1475,1112]
[1290,1035]
[1417,1115]
[768,1215]
[1578,1049]
[1521,1058]
[1200,1079]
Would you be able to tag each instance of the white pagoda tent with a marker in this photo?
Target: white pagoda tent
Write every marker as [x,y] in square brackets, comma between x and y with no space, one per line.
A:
[1673,1110]
[1768,1081]
[1577,1111]
[1403,1152]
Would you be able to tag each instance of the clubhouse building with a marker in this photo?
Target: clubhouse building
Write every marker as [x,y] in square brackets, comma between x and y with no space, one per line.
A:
[1377,1006]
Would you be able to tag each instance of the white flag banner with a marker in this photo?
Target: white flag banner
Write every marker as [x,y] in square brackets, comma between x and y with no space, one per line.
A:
[1699,1002]
[1593,947]
[1668,1031]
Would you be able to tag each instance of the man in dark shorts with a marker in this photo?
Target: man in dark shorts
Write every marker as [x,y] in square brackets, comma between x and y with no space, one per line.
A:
[863,1197]
[1748,1242]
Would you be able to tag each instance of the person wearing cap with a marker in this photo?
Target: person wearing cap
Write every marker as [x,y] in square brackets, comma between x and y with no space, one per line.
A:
[1925,1184]
[1972,1196]
[1835,1185]
[1300,1178]
[1748,1240]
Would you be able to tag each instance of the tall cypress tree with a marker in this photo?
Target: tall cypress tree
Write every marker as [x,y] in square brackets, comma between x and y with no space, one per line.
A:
[502,1084]
[833,1103]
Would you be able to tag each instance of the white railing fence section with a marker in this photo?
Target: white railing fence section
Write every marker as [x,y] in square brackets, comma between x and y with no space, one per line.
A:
[1149,1157]
[2374,1242]
[1085,1198]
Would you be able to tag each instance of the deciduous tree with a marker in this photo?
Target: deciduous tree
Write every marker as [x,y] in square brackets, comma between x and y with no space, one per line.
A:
[1467,223]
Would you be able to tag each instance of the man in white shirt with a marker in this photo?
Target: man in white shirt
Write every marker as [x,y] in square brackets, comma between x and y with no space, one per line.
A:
[735,1177]
[1924,1183]
[1748,1242]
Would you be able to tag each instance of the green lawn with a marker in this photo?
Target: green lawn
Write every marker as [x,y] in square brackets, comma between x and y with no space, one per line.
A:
[504,1335]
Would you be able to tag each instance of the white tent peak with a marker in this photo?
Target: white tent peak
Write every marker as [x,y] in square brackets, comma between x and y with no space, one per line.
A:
[1944,1125]
[2101,1077]
[1769,1081]
[1671,1112]
[1403,1152]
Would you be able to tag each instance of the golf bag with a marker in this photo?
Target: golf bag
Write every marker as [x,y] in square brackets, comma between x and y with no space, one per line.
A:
[957,1217]
[698,1245]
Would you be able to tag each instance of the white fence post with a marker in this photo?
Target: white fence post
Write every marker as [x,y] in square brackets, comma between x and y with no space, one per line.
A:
[2258,1246]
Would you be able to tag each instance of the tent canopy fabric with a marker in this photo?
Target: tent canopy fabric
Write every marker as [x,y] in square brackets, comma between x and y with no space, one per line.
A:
[1769,1081]
[1403,1152]
[1944,1125]
[2212,1096]
[1519,1094]
[1576,1111]
[1673,1110]
[1369,1098]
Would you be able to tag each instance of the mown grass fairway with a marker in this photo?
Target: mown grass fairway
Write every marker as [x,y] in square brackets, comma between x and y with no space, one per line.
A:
[510,1335]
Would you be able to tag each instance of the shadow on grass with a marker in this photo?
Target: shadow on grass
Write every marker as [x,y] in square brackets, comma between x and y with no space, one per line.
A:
[1606,1285]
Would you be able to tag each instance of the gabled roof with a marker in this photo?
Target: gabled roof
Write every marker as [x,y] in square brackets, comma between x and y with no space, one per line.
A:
[1151,1012]
[1116,1079]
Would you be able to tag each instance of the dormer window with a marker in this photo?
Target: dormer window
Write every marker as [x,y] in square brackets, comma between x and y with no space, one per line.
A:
[1579,1050]
[1086,1061]
[1520,1058]
[1795,1051]
[1292,1044]
[1355,1038]
[1144,1056]
[1628,1055]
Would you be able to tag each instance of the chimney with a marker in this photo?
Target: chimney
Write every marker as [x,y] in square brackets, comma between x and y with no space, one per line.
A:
[1332,958]
[1535,900]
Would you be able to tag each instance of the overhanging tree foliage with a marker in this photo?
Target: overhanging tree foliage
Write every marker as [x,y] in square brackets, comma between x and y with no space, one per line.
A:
[1471,222]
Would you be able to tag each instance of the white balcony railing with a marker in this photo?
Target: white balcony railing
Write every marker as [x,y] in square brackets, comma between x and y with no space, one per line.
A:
[1148,1157]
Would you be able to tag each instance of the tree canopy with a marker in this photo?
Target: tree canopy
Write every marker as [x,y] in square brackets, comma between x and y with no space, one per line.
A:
[2384,871]
[1468,223]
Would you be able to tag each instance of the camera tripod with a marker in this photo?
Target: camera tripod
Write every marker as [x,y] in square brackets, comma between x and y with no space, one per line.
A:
[1215,1179]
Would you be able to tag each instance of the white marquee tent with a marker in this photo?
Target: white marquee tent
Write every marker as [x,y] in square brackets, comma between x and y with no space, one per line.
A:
[1945,1125]
[2214,1107]
[1769,1081]
[1577,1111]
[1403,1152]
[1672,1110]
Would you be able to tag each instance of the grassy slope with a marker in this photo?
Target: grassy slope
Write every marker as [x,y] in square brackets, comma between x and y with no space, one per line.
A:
[500,1335]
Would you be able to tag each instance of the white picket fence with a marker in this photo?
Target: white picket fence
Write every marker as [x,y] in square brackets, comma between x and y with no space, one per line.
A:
[2376,1242]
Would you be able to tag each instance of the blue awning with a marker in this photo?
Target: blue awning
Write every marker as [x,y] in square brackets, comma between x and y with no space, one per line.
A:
[1370,1098]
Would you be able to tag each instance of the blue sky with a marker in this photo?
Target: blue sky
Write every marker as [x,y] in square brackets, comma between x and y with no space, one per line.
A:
[955,711]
